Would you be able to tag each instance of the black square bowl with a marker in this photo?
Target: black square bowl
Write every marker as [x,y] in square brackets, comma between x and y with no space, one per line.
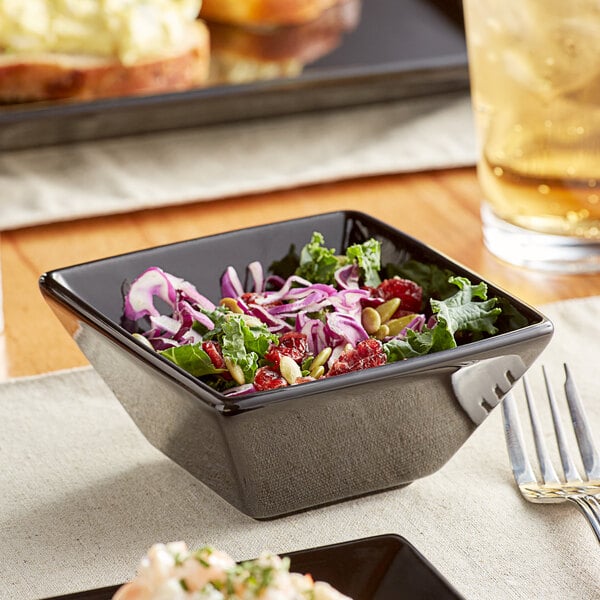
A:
[282,451]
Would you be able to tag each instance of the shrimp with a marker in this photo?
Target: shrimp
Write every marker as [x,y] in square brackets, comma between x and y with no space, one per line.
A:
[173,572]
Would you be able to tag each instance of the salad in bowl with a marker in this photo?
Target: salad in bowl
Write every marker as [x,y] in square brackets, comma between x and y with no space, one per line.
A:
[299,363]
[315,315]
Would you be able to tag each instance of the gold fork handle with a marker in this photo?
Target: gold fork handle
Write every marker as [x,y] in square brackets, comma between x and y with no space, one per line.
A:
[590,508]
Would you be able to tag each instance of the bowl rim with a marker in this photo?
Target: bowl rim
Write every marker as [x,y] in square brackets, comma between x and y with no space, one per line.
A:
[53,287]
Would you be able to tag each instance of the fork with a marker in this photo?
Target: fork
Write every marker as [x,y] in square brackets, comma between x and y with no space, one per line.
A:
[571,487]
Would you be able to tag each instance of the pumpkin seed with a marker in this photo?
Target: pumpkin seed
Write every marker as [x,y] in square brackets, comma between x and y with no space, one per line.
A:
[395,326]
[231,304]
[289,369]
[320,359]
[144,340]
[318,372]
[371,320]
[236,371]
[382,332]
[387,309]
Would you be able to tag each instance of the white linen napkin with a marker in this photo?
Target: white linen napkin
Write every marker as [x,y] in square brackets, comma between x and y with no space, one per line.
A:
[122,175]
[84,495]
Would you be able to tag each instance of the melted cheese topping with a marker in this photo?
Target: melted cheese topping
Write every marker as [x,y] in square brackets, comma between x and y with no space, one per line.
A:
[129,30]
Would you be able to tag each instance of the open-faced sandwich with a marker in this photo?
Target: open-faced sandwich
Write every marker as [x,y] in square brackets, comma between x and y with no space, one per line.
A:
[173,572]
[85,49]
[241,54]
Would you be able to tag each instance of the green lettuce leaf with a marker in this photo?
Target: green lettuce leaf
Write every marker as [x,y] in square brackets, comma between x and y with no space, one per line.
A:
[414,344]
[368,258]
[192,358]
[234,347]
[317,263]
[510,319]
[243,343]
[461,312]
[467,312]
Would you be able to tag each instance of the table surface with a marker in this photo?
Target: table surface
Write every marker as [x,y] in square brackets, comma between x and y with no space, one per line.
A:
[441,208]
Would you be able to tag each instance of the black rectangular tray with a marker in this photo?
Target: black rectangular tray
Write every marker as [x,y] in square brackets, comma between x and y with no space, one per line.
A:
[400,49]
[384,567]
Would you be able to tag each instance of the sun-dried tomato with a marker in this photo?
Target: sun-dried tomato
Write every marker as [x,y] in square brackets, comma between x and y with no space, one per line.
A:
[410,294]
[368,353]
[214,352]
[292,344]
[213,349]
[268,379]
[249,297]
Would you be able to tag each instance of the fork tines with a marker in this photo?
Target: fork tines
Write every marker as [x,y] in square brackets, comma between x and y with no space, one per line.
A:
[552,487]
[583,432]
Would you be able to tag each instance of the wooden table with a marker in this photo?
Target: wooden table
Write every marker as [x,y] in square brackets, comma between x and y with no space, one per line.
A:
[441,208]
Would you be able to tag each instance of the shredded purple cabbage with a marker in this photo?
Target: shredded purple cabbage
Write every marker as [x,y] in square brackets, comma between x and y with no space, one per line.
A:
[326,315]
[231,286]
[185,301]
[348,277]
[240,346]
[154,282]
[240,390]
[329,317]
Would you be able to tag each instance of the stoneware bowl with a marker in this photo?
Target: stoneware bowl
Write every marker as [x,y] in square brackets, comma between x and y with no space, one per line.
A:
[281,451]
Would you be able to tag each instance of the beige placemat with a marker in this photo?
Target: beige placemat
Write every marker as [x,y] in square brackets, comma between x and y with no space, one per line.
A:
[113,176]
[84,495]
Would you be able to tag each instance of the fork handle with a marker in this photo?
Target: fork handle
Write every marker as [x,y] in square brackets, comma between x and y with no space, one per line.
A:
[588,505]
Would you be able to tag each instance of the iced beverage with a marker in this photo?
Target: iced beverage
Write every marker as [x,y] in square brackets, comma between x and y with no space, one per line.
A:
[535,83]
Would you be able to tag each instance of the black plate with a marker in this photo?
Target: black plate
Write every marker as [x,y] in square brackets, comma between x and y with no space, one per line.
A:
[400,48]
[385,567]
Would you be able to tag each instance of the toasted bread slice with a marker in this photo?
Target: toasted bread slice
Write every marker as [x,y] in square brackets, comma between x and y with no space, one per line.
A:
[263,12]
[84,77]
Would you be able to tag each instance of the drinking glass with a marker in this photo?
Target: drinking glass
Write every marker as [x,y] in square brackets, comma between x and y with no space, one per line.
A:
[3,352]
[535,86]
[1,300]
